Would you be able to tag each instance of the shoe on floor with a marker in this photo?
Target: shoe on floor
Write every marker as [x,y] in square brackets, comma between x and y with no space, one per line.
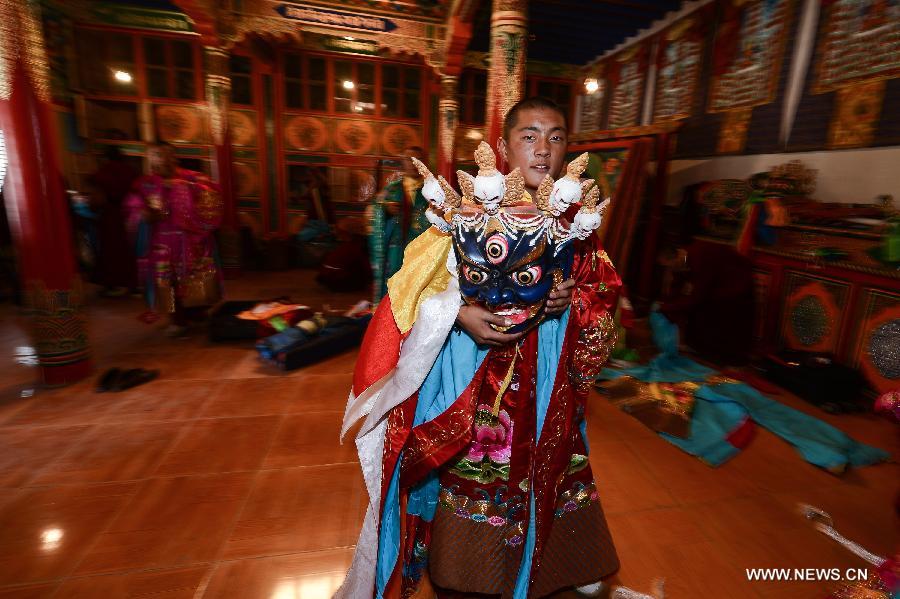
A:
[134,377]
[590,590]
[108,380]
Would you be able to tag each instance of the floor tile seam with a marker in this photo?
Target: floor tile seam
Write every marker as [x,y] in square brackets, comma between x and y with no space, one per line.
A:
[186,430]
[21,585]
[15,412]
[173,476]
[43,426]
[263,556]
[46,465]
[663,483]
[63,581]
[198,594]
[207,577]
[110,521]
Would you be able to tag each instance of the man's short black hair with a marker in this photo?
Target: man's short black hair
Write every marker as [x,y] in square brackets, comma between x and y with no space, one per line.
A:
[530,103]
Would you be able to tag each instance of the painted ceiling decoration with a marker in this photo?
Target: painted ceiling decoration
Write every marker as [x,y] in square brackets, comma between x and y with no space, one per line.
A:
[570,32]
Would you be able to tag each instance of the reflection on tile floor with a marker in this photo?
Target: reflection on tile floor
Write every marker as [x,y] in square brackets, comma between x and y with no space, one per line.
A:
[225,479]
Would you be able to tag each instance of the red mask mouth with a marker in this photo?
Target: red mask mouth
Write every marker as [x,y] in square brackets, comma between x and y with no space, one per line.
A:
[514,314]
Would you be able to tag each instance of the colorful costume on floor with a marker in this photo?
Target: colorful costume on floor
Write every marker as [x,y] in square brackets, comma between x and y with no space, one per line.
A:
[391,233]
[725,411]
[475,459]
[177,261]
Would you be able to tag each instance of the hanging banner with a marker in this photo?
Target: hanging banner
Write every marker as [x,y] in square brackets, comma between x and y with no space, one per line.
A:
[679,54]
[627,73]
[748,52]
[859,42]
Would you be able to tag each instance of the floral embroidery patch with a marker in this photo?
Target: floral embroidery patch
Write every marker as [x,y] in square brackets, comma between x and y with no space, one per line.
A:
[489,453]
[499,510]
[579,496]
[577,463]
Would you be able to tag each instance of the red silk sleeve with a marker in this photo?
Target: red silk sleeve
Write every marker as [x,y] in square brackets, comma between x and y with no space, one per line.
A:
[594,301]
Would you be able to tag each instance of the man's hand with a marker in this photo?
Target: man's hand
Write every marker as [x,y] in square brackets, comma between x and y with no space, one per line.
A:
[561,298]
[476,321]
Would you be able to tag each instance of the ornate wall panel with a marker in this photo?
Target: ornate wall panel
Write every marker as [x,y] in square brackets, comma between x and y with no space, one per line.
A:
[307,133]
[182,124]
[813,313]
[877,348]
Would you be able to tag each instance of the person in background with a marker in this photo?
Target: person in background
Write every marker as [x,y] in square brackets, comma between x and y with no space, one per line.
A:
[709,295]
[115,264]
[174,213]
[396,218]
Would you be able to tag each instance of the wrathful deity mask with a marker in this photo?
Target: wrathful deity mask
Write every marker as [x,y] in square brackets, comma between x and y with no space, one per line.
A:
[511,250]
[509,271]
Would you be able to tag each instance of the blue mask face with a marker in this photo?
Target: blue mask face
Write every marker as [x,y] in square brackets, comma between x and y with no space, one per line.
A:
[510,276]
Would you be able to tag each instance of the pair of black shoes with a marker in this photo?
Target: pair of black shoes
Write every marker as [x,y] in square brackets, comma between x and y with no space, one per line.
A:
[116,379]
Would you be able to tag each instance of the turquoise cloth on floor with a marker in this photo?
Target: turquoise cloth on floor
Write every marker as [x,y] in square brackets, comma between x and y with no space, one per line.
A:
[720,409]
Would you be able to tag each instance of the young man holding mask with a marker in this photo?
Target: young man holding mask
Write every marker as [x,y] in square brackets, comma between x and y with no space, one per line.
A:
[473,445]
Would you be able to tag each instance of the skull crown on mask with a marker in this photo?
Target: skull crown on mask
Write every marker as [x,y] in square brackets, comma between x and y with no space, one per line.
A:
[512,250]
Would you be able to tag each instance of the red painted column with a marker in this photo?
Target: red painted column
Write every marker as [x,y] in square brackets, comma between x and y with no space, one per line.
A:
[218,96]
[448,119]
[506,79]
[36,201]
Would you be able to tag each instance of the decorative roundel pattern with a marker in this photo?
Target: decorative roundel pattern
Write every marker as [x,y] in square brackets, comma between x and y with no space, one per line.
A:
[398,137]
[809,320]
[243,129]
[355,137]
[178,124]
[884,349]
[306,133]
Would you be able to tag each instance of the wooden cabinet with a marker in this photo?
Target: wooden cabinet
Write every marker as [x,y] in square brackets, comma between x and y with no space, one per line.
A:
[849,310]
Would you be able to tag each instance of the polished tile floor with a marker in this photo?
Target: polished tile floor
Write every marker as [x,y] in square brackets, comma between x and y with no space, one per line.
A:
[225,479]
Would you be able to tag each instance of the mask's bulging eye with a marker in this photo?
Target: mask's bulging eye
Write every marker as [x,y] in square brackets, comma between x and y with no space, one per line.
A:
[474,275]
[529,276]
[496,249]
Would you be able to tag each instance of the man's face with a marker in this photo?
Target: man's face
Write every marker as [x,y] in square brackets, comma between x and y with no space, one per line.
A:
[162,161]
[537,145]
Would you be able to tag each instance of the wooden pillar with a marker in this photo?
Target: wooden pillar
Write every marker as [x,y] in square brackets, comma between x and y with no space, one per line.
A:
[218,98]
[448,119]
[506,79]
[36,199]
